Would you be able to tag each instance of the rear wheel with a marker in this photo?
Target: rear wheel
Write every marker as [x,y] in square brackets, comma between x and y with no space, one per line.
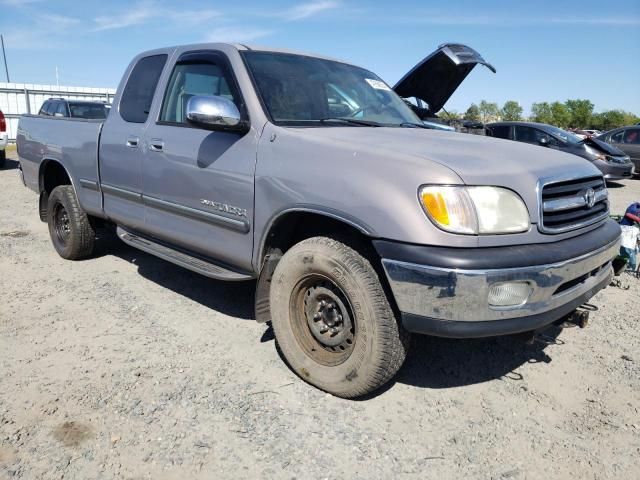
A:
[3,157]
[332,319]
[71,231]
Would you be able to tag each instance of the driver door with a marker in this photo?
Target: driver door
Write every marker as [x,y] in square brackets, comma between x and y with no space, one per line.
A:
[198,183]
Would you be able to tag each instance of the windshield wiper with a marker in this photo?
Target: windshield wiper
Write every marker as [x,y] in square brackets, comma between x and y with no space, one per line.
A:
[352,121]
[416,125]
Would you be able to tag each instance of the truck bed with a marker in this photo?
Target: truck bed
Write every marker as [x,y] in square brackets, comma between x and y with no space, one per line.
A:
[72,142]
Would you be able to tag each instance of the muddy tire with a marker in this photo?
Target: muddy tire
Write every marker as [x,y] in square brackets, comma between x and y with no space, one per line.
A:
[332,319]
[71,232]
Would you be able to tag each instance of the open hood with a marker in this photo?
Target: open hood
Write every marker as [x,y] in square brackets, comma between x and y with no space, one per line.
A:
[603,146]
[435,78]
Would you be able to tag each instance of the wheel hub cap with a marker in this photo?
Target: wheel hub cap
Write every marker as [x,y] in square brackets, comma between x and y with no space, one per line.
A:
[328,318]
[62,224]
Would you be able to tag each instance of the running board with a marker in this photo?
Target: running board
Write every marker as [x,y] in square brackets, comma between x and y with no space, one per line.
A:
[195,264]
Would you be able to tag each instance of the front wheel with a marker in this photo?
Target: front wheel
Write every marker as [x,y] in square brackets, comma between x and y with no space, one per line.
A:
[71,231]
[332,319]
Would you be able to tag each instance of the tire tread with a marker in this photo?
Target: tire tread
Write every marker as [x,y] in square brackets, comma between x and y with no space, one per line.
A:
[392,341]
[83,235]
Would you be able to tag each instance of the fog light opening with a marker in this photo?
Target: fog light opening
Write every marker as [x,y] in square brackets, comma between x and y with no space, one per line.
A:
[509,294]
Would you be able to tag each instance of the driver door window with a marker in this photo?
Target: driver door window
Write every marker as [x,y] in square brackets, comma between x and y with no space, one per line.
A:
[632,136]
[617,137]
[533,135]
[188,80]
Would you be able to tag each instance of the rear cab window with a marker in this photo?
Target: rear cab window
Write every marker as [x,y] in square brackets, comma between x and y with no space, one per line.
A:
[88,110]
[138,93]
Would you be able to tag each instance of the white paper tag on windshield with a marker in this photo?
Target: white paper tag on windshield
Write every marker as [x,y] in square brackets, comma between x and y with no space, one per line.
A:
[377,84]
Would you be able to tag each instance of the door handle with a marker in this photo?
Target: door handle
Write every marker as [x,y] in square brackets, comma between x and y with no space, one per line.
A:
[156,145]
[132,142]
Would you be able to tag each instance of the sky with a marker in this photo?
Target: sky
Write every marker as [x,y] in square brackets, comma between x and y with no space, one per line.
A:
[543,50]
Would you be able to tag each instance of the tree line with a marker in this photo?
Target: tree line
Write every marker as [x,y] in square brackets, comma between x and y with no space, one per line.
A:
[576,113]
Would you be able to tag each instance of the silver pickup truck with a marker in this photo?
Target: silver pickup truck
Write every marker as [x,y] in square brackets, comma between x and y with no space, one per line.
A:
[314,177]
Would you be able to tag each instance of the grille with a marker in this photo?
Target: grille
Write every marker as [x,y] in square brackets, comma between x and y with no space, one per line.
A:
[572,204]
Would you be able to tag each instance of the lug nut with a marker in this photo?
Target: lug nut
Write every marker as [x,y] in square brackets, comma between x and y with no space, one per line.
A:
[317,316]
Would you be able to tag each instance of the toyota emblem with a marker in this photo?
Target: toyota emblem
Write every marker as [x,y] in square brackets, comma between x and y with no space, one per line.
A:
[589,196]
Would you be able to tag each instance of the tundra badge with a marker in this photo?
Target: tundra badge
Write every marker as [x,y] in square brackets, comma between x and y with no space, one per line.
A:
[223,207]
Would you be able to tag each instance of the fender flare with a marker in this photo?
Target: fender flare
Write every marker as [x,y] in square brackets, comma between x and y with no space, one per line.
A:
[44,196]
[307,208]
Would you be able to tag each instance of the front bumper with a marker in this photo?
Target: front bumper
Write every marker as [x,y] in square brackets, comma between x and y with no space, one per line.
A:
[614,171]
[451,301]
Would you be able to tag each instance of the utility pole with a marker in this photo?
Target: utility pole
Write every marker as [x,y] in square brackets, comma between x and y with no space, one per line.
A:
[4,55]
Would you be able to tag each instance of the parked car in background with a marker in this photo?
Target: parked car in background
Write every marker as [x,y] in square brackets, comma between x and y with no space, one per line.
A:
[612,162]
[61,107]
[626,139]
[3,138]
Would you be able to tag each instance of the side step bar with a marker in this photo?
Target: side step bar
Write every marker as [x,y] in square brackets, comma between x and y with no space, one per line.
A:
[190,262]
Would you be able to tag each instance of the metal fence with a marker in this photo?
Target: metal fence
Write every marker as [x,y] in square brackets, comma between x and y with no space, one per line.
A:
[19,98]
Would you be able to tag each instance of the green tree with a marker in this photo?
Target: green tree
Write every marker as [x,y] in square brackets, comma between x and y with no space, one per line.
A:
[452,115]
[511,111]
[560,114]
[581,112]
[613,119]
[472,113]
[489,111]
[541,112]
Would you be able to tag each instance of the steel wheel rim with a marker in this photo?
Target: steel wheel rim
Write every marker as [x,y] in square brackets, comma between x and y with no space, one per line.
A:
[61,224]
[322,320]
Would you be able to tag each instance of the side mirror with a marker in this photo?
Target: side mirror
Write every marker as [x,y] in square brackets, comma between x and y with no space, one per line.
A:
[544,141]
[215,113]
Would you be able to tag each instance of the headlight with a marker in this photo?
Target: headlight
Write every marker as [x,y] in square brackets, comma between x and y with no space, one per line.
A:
[620,160]
[475,210]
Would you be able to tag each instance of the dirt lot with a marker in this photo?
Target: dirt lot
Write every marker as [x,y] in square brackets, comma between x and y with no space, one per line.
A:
[125,366]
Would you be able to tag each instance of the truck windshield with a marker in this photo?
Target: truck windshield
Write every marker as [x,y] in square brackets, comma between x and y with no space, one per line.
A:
[306,91]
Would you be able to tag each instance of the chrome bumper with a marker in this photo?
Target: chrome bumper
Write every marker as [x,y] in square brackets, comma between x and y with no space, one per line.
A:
[462,295]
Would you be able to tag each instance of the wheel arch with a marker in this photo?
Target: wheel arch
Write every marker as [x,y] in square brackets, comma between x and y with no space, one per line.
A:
[292,225]
[289,226]
[51,174]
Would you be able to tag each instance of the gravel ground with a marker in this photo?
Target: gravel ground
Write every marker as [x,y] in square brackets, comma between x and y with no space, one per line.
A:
[125,366]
